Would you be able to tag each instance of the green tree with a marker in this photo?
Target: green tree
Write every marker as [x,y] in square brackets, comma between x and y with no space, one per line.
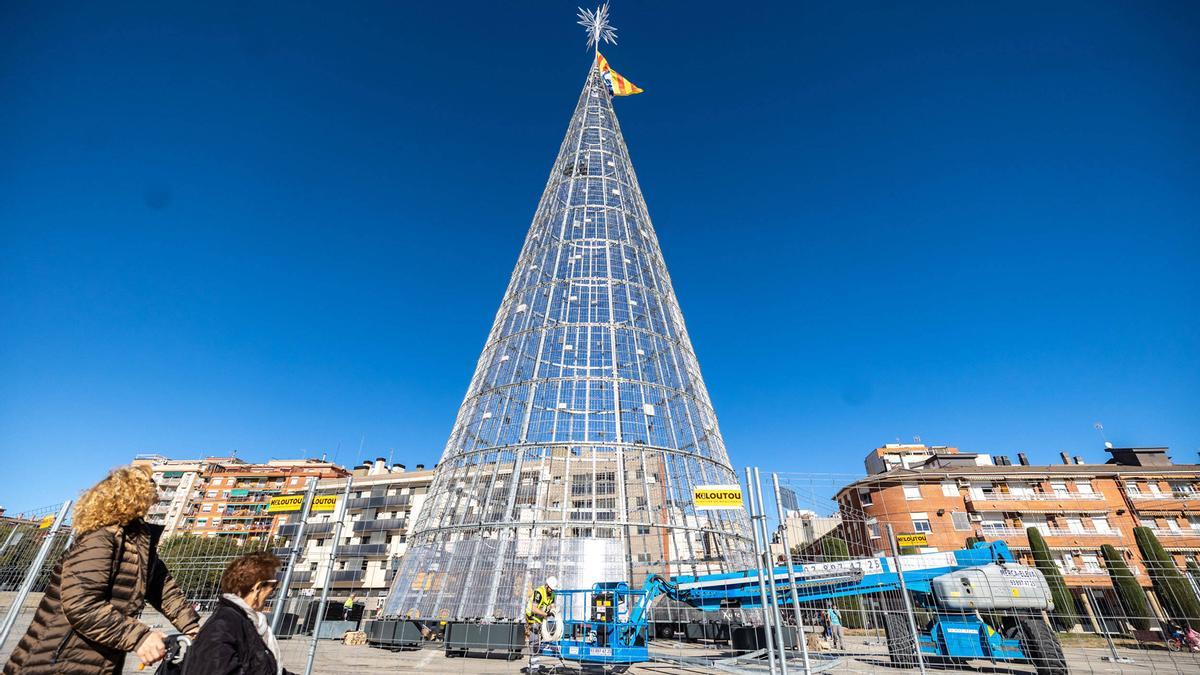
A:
[1131,594]
[849,608]
[1174,592]
[197,563]
[1064,605]
[1193,570]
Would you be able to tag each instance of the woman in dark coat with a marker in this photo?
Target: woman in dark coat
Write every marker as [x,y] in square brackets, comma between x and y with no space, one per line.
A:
[87,619]
[237,638]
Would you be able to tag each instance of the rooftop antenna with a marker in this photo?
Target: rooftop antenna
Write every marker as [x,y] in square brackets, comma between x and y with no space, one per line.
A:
[598,28]
[917,439]
[1100,430]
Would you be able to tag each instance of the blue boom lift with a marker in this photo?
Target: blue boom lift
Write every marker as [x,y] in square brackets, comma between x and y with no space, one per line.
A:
[608,623]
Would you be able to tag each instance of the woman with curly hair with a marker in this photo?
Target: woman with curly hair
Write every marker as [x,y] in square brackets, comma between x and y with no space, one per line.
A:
[87,619]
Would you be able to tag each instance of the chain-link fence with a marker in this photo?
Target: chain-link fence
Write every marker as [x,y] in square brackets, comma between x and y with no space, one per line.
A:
[857,575]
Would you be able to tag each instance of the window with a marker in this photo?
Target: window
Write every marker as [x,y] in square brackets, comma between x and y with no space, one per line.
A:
[1147,522]
[1100,524]
[992,522]
[873,528]
[1090,563]
[920,522]
[1059,487]
[643,529]
[364,565]
[643,557]
[949,488]
[962,522]
[211,494]
[1182,487]
[1132,488]
[1075,525]
[206,508]
[864,498]
[216,481]
[1194,521]
[1084,487]
[912,491]
[202,521]
[1152,486]
[1172,525]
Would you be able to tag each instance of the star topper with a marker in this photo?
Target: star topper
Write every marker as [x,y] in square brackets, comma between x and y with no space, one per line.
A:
[597,26]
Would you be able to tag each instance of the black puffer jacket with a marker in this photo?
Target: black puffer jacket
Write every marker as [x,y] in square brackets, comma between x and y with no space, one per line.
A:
[229,644]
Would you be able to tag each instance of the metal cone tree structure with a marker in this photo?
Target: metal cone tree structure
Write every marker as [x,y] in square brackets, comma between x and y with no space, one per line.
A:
[586,425]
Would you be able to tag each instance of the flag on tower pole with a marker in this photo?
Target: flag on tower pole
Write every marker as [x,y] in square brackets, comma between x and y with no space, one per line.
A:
[619,85]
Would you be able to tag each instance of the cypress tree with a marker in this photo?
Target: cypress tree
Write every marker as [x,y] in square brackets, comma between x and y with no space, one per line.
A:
[1193,570]
[1131,594]
[1178,599]
[1064,605]
[850,608]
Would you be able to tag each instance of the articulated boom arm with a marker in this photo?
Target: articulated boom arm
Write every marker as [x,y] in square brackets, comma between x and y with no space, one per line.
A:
[819,581]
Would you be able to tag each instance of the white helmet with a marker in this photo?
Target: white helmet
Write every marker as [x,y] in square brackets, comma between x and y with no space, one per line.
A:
[552,582]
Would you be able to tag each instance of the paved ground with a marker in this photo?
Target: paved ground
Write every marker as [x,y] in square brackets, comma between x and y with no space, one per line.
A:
[866,654]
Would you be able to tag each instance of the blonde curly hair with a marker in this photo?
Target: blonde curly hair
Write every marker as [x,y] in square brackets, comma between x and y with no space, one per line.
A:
[124,495]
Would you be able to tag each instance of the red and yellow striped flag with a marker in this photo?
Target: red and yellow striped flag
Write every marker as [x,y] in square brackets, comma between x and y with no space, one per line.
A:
[619,85]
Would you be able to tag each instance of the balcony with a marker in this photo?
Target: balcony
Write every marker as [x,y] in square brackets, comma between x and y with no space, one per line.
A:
[360,550]
[299,576]
[1059,496]
[380,525]
[1052,532]
[290,529]
[1174,494]
[1165,501]
[1169,533]
[381,502]
[346,575]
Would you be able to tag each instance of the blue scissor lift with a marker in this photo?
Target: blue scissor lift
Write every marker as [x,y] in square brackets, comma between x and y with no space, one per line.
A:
[608,623]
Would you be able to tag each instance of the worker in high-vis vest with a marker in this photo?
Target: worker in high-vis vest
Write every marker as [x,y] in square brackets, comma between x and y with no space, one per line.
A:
[541,605]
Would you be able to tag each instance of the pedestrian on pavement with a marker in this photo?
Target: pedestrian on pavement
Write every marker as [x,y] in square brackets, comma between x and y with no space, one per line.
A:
[237,638]
[835,626]
[348,608]
[85,622]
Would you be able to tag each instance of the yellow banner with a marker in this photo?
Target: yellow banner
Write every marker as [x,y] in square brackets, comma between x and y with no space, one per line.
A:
[46,523]
[286,503]
[912,539]
[717,496]
[296,502]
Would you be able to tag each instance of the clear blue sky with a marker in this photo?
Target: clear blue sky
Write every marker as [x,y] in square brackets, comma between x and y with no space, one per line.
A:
[280,229]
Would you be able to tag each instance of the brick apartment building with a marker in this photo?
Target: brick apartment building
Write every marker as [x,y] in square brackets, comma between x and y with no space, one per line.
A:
[1077,506]
[226,497]
[384,503]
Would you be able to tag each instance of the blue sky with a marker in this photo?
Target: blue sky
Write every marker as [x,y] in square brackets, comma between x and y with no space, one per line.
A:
[285,229]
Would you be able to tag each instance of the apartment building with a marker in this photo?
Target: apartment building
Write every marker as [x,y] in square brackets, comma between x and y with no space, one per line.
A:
[229,498]
[178,483]
[803,528]
[1077,506]
[384,502]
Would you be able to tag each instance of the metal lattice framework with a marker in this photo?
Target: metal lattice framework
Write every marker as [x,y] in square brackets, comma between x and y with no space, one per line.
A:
[587,424]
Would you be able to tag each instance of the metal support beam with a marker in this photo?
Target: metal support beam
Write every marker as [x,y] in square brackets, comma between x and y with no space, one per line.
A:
[791,570]
[34,572]
[281,599]
[339,516]
[762,588]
